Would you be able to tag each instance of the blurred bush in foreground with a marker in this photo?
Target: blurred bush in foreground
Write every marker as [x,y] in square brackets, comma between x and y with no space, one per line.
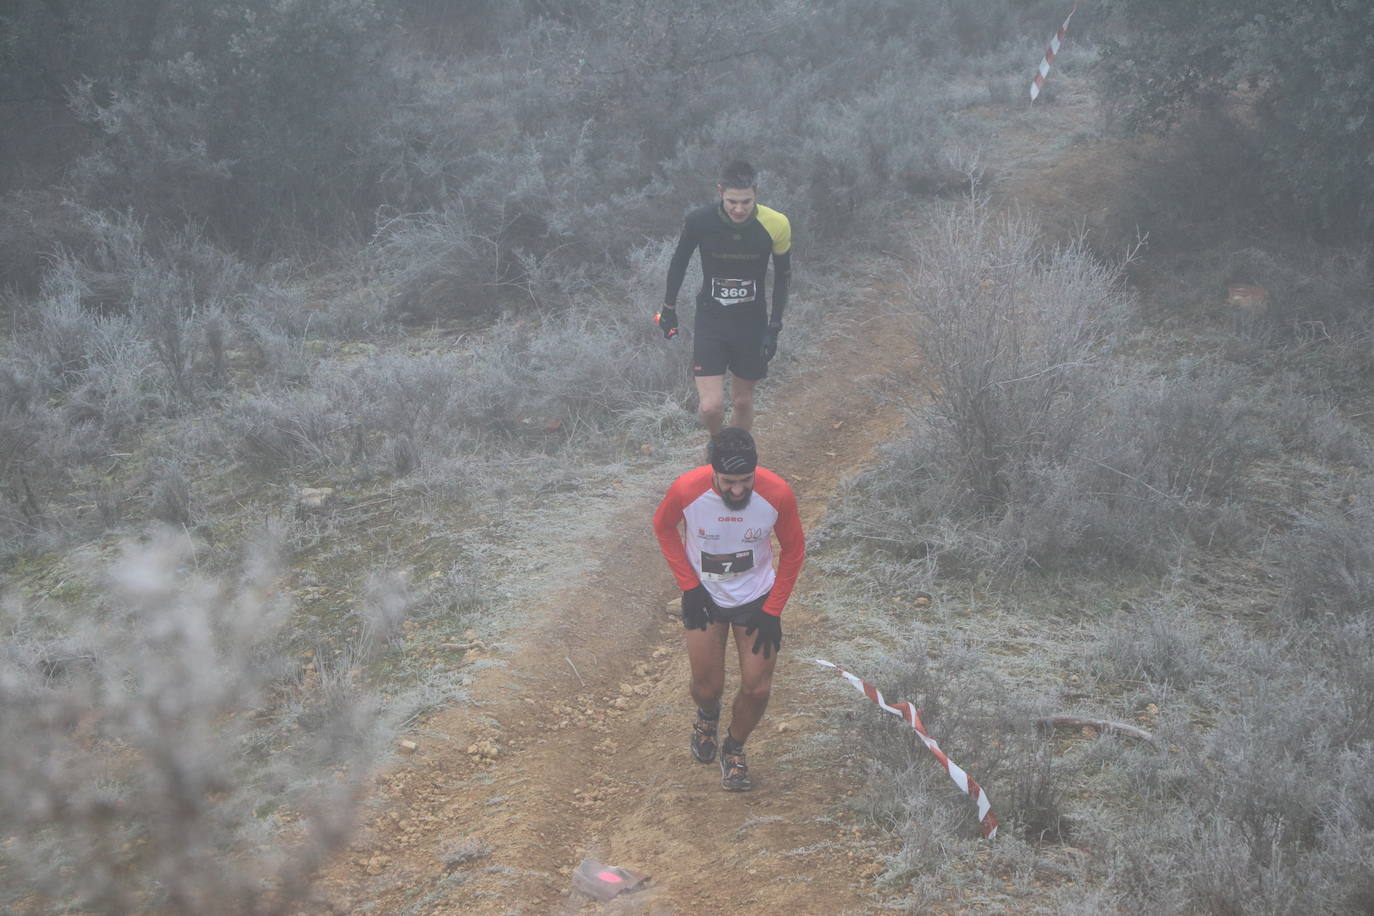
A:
[152,748]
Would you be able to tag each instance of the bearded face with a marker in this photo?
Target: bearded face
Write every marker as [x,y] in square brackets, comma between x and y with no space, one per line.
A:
[734,489]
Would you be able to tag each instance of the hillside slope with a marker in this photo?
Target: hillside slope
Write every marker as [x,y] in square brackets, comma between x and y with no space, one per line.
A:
[575,745]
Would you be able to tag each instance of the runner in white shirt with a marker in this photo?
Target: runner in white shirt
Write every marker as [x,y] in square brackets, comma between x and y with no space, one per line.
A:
[715,527]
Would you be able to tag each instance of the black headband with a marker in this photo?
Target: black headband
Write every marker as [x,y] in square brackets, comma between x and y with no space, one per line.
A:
[741,461]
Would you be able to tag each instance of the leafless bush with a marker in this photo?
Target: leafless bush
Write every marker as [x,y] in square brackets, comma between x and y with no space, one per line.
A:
[280,351]
[988,733]
[386,602]
[170,493]
[438,266]
[1266,811]
[1154,467]
[119,389]
[33,223]
[1156,643]
[418,398]
[1315,426]
[451,597]
[176,297]
[271,432]
[1167,462]
[573,375]
[599,361]
[887,137]
[1015,341]
[1327,559]
[404,455]
[216,347]
[1037,449]
[42,439]
[980,724]
[58,333]
[1319,300]
[124,785]
[110,317]
[159,303]
[20,432]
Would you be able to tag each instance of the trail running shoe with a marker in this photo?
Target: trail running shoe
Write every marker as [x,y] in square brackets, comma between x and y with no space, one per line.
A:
[734,772]
[704,738]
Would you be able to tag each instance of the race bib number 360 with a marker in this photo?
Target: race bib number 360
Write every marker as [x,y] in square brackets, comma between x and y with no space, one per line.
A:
[729,292]
[718,566]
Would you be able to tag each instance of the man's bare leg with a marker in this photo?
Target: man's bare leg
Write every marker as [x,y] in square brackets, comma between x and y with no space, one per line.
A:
[711,401]
[706,653]
[742,398]
[756,683]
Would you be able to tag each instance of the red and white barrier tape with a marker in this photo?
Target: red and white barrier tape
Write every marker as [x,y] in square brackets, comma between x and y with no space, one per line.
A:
[1052,50]
[912,717]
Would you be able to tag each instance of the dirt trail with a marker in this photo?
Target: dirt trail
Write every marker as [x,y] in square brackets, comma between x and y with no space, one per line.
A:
[580,737]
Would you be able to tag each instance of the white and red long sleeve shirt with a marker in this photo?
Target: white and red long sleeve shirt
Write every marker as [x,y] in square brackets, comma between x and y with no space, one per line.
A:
[730,551]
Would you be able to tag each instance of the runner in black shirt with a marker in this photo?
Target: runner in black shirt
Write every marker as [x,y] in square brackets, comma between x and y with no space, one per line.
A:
[734,329]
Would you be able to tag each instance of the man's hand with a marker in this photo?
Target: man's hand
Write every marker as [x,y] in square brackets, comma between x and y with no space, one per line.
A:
[666,320]
[694,602]
[769,627]
[770,341]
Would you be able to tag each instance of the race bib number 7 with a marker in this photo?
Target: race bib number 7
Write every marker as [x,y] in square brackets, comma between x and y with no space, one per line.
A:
[718,566]
[729,292]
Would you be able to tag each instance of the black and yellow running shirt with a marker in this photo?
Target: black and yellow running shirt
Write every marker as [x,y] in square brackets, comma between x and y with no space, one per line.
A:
[734,261]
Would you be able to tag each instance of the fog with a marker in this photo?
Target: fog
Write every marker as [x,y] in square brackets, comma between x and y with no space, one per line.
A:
[321,318]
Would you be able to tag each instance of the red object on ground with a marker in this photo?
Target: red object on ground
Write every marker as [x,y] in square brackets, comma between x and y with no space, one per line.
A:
[605,882]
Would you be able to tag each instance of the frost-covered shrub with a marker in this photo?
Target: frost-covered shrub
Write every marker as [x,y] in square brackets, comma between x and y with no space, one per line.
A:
[1036,448]
[134,771]
[1326,560]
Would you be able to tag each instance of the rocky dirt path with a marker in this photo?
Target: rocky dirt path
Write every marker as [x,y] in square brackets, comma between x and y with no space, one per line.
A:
[576,746]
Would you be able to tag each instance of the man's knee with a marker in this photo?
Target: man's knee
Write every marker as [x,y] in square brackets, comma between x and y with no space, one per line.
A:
[757,691]
[708,686]
[712,410]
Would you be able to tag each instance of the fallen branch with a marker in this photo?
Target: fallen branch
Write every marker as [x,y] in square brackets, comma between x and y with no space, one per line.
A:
[1102,725]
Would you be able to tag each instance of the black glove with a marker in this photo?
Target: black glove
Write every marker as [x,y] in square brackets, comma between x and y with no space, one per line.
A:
[694,601]
[769,627]
[666,320]
[770,341]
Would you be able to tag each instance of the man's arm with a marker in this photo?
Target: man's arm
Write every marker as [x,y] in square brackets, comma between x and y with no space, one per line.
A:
[780,231]
[677,267]
[792,544]
[670,542]
[782,278]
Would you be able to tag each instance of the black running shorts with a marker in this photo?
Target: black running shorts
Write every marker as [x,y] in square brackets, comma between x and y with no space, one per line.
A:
[735,343]
[717,614]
